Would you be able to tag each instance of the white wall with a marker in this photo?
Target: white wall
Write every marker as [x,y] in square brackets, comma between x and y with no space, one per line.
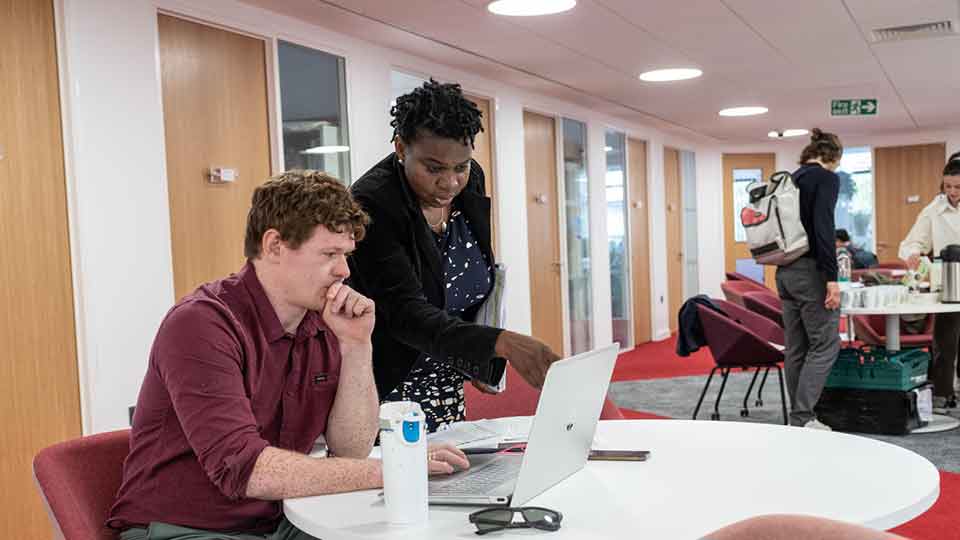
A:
[788,150]
[710,232]
[118,190]
[787,154]
[599,246]
[117,199]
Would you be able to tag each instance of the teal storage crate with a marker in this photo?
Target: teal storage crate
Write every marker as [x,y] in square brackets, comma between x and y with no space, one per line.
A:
[878,369]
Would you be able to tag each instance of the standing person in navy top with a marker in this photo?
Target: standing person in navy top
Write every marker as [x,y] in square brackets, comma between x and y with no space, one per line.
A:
[808,286]
[246,373]
[427,261]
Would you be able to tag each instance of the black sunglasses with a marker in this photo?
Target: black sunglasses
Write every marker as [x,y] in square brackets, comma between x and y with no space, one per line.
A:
[498,519]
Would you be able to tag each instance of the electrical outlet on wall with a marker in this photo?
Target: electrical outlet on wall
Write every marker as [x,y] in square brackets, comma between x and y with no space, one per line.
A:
[130,412]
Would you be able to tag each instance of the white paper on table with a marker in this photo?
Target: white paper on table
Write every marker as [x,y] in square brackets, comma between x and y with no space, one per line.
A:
[464,433]
[490,432]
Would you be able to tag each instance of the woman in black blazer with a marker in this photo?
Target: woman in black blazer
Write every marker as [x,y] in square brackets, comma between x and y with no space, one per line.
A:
[426,261]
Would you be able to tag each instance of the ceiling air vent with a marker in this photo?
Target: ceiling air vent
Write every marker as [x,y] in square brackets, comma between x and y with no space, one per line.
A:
[915,31]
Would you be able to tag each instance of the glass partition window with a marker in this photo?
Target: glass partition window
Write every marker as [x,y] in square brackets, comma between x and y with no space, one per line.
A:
[855,200]
[313,107]
[617,240]
[577,208]
[403,83]
[741,179]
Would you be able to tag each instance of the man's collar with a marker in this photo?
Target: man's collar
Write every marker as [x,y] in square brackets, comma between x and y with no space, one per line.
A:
[943,204]
[272,328]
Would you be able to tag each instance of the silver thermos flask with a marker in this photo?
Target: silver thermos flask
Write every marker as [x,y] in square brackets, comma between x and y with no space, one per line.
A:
[950,256]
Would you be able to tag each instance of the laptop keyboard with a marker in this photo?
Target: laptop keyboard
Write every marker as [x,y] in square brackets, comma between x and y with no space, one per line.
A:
[478,481]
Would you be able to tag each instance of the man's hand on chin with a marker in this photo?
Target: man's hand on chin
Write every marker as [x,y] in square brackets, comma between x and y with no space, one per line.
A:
[349,315]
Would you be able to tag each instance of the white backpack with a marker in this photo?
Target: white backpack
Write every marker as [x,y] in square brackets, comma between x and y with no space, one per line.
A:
[771,220]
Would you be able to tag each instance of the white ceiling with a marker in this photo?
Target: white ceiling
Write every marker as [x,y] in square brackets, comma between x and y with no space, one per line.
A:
[791,56]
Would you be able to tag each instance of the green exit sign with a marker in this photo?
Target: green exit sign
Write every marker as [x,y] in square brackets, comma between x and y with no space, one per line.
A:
[853,107]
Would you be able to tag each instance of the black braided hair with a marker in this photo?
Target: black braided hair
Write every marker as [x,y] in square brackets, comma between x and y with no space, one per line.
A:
[438,108]
[952,168]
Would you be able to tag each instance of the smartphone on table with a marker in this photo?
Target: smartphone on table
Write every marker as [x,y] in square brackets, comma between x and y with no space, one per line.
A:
[619,455]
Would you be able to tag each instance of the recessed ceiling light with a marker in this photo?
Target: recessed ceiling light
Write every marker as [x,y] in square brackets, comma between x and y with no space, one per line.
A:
[671,74]
[529,8]
[326,150]
[787,133]
[743,111]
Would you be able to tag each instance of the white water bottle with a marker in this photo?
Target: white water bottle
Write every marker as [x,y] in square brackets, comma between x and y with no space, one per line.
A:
[844,264]
[403,442]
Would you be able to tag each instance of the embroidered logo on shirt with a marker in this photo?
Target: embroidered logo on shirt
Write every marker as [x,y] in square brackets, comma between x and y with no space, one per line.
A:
[320,378]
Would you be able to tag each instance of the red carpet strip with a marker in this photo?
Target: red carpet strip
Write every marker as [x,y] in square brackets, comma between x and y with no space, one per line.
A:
[658,360]
[942,520]
[630,414]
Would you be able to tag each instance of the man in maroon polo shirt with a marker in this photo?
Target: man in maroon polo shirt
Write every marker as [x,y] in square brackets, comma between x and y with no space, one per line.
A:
[247,372]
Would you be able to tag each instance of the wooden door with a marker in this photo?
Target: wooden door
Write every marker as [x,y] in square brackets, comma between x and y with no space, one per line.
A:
[543,226]
[483,147]
[906,179]
[673,189]
[39,389]
[639,239]
[215,115]
[737,254]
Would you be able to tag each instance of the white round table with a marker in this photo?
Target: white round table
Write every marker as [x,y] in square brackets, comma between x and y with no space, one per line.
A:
[701,476]
[893,314]
[940,422]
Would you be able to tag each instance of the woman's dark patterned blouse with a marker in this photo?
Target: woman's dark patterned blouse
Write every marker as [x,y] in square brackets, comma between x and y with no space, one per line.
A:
[435,384]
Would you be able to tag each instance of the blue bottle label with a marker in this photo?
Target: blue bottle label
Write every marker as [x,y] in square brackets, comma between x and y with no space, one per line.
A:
[411,431]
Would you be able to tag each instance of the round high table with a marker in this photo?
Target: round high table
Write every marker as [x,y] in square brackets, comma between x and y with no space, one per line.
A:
[940,422]
[700,476]
[893,314]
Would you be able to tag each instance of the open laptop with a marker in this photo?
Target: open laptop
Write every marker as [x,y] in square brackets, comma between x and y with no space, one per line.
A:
[558,445]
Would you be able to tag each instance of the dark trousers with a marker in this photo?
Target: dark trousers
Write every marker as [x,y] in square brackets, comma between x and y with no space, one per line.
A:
[812,334]
[166,531]
[946,339]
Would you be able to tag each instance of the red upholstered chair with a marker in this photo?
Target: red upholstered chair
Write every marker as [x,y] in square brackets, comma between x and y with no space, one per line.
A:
[872,330]
[766,303]
[736,345]
[78,482]
[763,327]
[519,399]
[737,276]
[734,290]
[760,325]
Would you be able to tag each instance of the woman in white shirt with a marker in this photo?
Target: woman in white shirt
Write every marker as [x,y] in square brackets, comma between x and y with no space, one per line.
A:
[938,226]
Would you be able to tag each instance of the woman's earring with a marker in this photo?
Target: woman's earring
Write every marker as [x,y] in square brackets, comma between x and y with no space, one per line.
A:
[400,159]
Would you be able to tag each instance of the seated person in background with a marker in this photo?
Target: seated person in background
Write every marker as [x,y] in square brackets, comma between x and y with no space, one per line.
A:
[860,258]
[247,372]
[427,261]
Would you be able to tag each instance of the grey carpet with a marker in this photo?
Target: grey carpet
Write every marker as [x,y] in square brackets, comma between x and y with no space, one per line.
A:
[677,398]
